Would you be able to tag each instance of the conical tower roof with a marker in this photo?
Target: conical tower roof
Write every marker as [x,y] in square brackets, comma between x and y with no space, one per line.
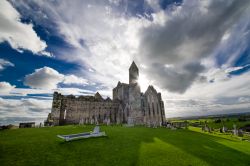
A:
[133,66]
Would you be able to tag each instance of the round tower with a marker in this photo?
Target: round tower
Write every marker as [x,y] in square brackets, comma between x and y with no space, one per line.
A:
[133,73]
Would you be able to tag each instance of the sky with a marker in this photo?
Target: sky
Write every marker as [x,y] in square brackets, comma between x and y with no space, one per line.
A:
[195,52]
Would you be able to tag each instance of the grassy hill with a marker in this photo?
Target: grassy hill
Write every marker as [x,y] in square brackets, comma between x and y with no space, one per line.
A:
[123,146]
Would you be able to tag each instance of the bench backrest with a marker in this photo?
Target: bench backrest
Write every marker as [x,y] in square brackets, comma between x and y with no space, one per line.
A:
[96,129]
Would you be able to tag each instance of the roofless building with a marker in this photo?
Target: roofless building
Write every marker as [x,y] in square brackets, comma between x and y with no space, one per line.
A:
[129,105]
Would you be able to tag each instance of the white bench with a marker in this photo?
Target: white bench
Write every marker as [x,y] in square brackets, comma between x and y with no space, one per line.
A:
[96,133]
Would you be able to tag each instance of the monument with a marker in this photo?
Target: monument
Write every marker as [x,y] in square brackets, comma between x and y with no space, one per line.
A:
[129,105]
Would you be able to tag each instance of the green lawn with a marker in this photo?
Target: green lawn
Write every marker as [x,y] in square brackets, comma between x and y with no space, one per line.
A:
[123,146]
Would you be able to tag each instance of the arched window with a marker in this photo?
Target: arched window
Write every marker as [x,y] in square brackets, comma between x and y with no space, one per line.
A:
[65,114]
[157,109]
[153,109]
[115,117]
[149,109]
[123,116]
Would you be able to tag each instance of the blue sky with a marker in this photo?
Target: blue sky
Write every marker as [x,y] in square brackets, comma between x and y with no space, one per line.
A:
[197,53]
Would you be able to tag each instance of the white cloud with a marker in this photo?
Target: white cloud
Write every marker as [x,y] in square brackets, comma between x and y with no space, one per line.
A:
[197,107]
[72,79]
[244,99]
[222,96]
[27,91]
[231,69]
[46,93]
[235,86]
[4,63]
[26,109]
[74,91]
[48,78]
[44,78]
[19,35]
[20,110]
[6,87]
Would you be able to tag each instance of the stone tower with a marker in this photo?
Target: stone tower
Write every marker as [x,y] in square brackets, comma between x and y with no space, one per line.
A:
[133,73]
[134,95]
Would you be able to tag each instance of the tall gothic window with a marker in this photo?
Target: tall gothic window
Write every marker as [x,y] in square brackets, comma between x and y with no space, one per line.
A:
[153,109]
[115,117]
[110,115]
[157,109]
[65,114]
[143,110]
[149,109]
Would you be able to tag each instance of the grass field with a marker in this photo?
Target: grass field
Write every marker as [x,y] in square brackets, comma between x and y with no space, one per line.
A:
[123,146]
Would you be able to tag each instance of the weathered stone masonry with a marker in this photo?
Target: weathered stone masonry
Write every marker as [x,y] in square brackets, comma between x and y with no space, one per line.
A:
[129,105]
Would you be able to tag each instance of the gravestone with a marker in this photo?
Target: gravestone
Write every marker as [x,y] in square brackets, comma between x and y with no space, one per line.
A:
[235,131]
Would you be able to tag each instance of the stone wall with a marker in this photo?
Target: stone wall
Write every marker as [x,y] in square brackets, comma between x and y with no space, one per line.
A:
[91,112]
[83,109]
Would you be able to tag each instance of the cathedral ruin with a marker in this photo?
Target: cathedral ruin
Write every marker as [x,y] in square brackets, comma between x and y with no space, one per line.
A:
[129,106]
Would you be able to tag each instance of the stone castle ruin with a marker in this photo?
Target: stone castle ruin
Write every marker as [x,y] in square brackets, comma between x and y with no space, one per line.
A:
[129,106]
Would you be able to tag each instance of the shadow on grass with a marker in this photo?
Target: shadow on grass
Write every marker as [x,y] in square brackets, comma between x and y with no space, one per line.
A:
[123,146]
[120,147]
[205,147]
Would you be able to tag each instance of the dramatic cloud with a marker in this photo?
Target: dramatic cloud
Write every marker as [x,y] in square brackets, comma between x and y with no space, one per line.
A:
[224,95]
[104,40]
[19,35]
[187,51]
[21,110]
[183,37]
[4,64]
[178,36]
[44,78]
[48,78]
[5,87]
[175,79]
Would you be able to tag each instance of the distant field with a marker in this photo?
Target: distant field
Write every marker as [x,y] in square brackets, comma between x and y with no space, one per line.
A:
[123,146]
[228,124]
[211,122]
